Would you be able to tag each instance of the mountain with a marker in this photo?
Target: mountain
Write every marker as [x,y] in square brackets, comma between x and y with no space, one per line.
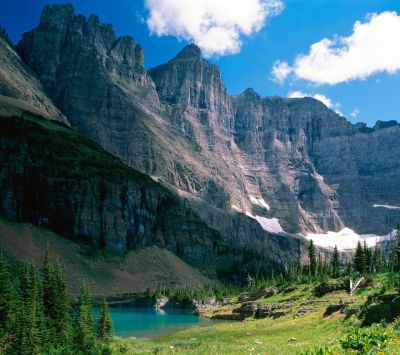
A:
[290,159]
[226,181]
[20,85]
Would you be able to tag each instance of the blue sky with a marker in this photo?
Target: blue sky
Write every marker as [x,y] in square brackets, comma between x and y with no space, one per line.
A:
[281,35]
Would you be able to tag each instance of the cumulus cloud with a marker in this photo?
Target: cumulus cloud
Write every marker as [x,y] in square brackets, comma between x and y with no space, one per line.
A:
[280,71]
[320,97]
[373,47]
[355,112]
[216,26]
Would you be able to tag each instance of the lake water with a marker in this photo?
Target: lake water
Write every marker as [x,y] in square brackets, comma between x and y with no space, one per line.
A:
[150,323]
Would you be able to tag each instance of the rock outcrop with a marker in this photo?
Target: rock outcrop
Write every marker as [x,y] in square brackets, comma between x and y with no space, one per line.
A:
[57,179]
[20,83]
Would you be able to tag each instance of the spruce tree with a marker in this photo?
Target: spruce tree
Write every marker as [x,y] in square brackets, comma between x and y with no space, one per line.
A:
[312,259]
[61,305]
[104,324]
[29,339]
[5,303]
[396,266]
[335,264]
[85,335]
[360,259]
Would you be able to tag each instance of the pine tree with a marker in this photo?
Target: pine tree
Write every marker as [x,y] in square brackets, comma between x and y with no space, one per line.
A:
[29,339]
[5,303]
[396,264]
[61,305]
[312,259]
[48,288]
[360,259]
[85,336]
[104,325]
[335,265]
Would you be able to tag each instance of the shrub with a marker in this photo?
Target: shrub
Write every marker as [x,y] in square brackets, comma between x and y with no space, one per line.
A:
[365,340]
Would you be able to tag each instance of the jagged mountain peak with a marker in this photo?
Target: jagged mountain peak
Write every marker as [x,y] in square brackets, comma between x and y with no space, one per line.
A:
[190,52]
[56,15]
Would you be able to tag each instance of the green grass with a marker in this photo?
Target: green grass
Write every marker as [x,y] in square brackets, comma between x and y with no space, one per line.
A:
[285,335]
[258,336]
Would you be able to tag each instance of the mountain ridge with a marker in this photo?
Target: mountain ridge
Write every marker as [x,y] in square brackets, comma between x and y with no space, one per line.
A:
[290,161]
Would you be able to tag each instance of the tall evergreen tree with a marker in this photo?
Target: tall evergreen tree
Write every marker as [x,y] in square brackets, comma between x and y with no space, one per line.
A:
[312,259]
[29,339]
[5,303]
[335,264]
[104,324]
[85,335]
[396,263]
[360,259]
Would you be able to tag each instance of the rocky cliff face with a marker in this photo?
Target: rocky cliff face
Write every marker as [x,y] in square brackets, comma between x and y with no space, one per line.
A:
[19,82]
[291,159]
[55,178]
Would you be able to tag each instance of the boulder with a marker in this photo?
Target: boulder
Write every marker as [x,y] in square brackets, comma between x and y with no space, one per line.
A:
[332,308]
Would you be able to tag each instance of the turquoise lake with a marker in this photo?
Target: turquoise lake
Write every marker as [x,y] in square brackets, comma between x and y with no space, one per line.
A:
[150,323]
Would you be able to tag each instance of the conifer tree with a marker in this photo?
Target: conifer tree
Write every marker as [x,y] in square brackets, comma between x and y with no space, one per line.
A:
[312,258]
[335,265]
[104,324]
[85,336]
[360,259]
[396,263]
[29,339]
[5,302]
[48,289]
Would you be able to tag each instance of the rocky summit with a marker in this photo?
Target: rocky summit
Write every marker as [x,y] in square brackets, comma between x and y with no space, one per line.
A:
[249,167]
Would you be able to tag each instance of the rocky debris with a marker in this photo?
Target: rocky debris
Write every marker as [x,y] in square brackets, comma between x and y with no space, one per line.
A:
[305,310]
[228,316]
[161,302]
[265,293]
[259,310]
[246,309]
[263,311]
[325,287]
[332,308]
[280,313]
[202,306]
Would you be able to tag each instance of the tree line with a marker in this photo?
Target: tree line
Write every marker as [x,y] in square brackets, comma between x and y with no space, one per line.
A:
[37,315]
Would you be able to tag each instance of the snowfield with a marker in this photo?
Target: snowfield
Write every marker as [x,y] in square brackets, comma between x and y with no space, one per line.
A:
[390,207]
[347,239]
[259,201]
[268,224]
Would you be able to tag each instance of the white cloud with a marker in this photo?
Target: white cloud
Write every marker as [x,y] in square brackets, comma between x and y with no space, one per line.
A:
[320,97]
[355,112]
[373,47]
[280,71]
[214,25]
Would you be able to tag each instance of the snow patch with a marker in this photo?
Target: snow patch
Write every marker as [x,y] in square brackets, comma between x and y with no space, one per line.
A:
[268,224]
[390,207]
[259,201]
[236,208]
[347,239]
